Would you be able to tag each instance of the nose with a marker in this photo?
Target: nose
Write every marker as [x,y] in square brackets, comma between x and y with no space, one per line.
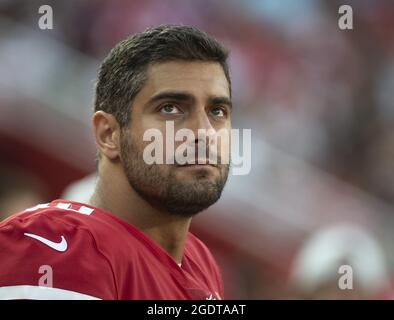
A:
[204,133]
[200,120]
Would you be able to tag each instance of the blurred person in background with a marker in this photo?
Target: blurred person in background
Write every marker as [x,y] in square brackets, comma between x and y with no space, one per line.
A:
[316,269]
[80,190]
[19,190]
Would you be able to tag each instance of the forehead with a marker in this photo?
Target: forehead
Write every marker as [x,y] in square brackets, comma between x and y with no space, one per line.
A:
[198,78]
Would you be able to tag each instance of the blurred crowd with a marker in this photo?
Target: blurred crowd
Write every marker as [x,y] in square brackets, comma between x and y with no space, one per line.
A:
[319,101]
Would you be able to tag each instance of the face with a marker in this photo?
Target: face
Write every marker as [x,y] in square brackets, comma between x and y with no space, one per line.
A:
[192,95]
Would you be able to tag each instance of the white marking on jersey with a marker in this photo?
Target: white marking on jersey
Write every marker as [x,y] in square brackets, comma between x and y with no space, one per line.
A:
[38,206]
[41,293]
[82,210]
[64,206]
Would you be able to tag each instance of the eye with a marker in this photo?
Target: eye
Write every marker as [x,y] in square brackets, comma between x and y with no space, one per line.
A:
[218,112]
[169,108]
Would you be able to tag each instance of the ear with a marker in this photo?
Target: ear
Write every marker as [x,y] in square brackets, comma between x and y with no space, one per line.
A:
[107,133]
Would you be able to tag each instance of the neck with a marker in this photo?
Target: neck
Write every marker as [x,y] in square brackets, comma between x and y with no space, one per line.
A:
[114,194]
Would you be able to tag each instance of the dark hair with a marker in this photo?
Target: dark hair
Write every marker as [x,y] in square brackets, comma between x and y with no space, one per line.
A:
[123,72]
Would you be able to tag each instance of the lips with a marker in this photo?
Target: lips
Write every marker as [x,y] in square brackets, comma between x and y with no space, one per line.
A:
[198,162]
[197,165]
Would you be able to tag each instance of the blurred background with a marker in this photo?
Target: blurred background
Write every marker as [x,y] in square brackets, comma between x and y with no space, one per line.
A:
[319,101]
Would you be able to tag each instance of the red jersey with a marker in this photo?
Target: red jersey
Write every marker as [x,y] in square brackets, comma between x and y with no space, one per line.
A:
[70,250]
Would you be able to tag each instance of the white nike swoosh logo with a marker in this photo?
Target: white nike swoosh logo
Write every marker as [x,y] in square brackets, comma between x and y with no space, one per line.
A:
[58,246]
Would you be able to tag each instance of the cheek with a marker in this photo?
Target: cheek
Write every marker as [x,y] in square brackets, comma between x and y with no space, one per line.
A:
[151,135]
[224,141]
[139,130]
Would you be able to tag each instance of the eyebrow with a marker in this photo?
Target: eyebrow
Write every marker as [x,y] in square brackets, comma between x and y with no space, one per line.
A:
[187,97]
[220,100]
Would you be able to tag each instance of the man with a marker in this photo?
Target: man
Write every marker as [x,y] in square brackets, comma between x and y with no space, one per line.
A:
[132,240]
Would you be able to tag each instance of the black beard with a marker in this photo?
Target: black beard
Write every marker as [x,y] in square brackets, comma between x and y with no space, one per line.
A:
[163,190]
